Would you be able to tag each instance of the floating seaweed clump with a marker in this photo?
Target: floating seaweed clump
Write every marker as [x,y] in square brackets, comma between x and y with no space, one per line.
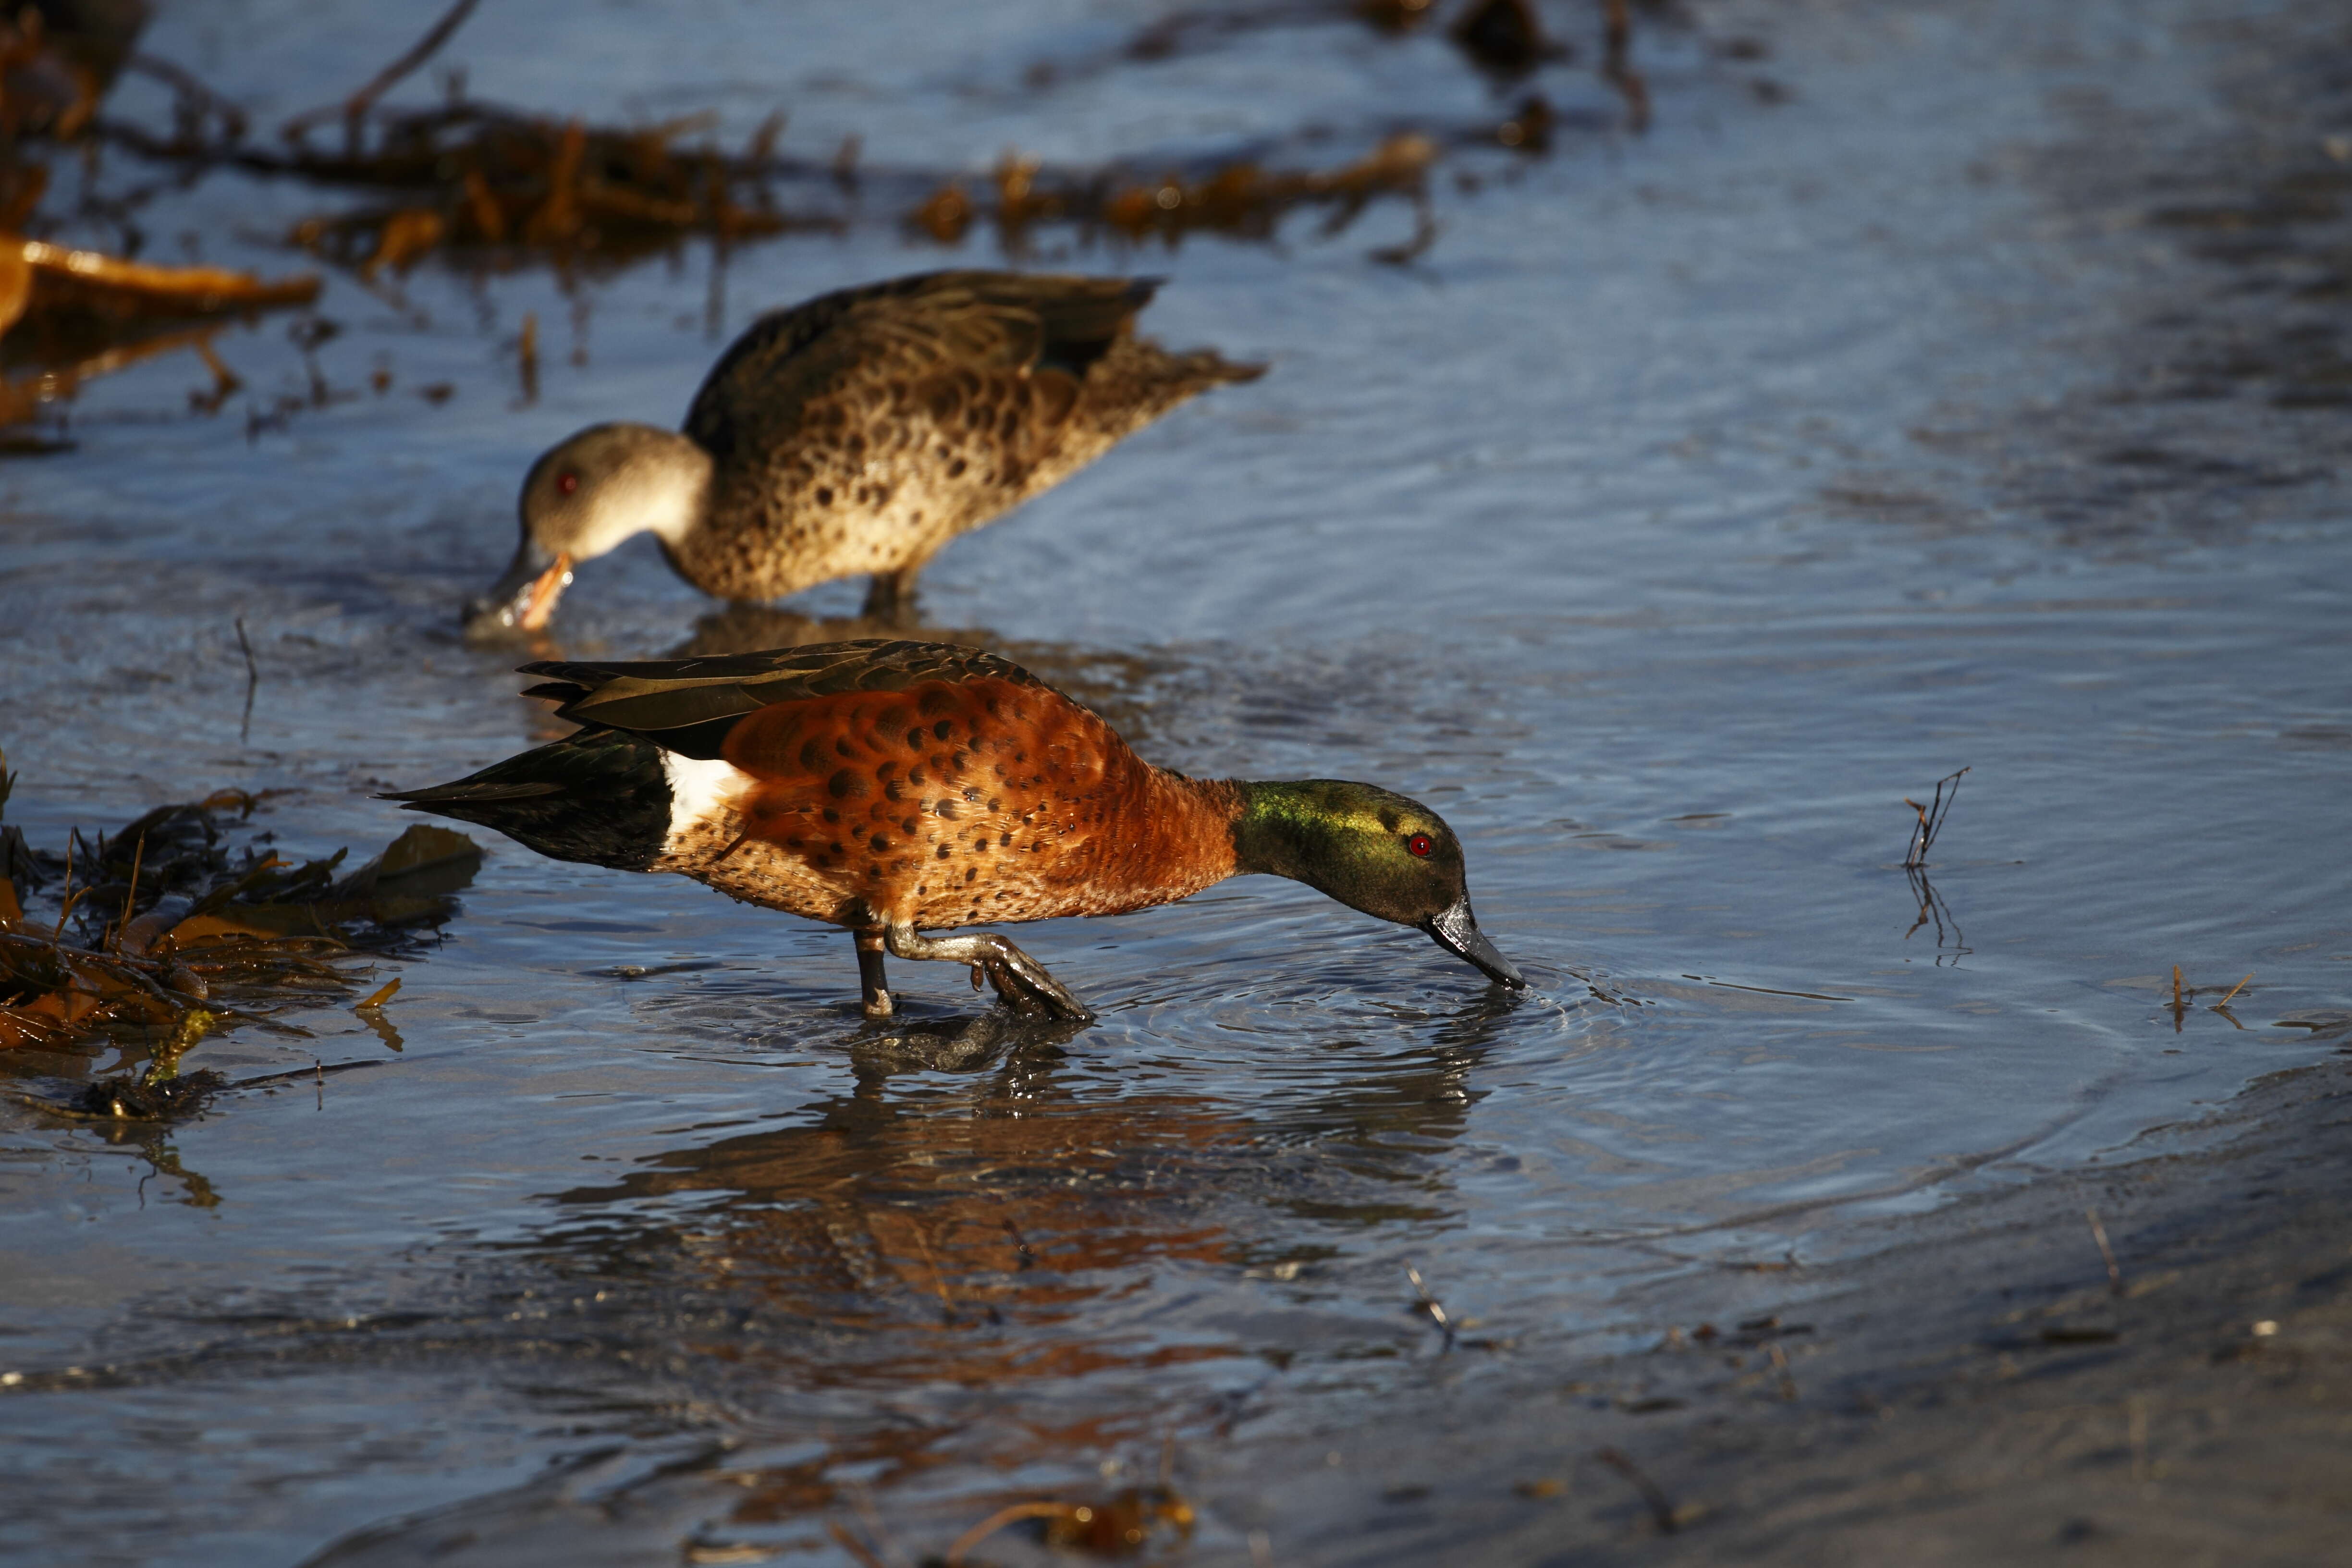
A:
[509,185]
[1239,198]
[476,176]
[487,177]
[163,933]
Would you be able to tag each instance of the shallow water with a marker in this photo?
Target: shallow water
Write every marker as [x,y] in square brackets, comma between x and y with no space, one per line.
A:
[1695,498]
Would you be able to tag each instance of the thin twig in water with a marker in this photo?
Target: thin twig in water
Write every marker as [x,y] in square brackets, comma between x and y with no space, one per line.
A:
[192,92]
[355,109]
[863,1554]
[252,681]
[1661,1507]
[2241,985]
[1931,820]
[1781,1364]
[2099,1235]
[1617,66]
[527,357]
[1011,1513]
[138,857]
[67,894]
[1425,230]
[1430,1305]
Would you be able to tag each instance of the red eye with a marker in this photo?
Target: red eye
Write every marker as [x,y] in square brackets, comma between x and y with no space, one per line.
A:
[1418,844]
[566,482]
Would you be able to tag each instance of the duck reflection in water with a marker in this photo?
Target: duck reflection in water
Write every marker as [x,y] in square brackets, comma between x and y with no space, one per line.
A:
[967,1182]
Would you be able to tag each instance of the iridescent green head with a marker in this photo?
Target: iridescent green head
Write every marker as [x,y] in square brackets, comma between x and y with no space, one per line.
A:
[1373,850]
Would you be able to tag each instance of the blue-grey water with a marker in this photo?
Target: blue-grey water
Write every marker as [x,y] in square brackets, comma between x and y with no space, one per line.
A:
[1887,408]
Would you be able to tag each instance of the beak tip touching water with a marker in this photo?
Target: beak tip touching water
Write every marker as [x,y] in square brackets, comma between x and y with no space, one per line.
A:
[522,601]
[1456,930]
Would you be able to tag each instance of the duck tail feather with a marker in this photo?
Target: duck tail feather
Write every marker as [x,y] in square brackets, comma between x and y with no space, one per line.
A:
[601,796]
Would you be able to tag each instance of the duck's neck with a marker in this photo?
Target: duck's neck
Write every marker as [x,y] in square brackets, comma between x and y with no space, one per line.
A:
[1281,827]
[670,488]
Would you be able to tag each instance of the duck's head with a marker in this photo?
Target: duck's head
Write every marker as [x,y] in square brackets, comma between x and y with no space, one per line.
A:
[585,496]
[1373,850]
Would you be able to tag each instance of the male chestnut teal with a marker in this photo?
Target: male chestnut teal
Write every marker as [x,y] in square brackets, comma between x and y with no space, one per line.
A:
[903,787]
[858,432]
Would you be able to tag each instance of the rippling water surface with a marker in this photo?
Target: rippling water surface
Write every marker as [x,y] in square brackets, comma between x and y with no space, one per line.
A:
[1694,498]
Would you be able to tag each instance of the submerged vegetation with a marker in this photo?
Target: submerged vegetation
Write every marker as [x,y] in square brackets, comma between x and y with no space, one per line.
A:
[185,922]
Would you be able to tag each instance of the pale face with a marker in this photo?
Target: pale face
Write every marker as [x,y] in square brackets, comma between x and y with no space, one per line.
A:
[584,497]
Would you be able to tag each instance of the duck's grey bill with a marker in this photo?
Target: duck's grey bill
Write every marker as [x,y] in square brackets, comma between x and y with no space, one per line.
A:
[500,610]
[1456,930]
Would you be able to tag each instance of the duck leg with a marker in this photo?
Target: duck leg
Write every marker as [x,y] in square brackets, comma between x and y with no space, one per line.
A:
[890,595]
[876,1002]
[1019,979]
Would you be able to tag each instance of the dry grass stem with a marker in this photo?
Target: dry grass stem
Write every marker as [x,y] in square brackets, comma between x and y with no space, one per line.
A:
[1931,818]
[1430,1306]
[865,1555]
[1653,1497]
[1013,1513]
[2099,1235]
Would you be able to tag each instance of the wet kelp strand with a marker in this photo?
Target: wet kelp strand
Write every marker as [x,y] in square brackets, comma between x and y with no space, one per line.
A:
[164,935]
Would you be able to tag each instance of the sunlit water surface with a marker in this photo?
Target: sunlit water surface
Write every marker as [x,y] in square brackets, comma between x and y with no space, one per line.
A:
[1694,500]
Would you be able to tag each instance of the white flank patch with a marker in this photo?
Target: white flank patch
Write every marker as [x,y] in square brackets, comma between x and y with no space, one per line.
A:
[700,793]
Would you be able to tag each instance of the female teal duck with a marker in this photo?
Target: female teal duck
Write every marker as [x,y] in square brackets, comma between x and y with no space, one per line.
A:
[857,433]
[900,788]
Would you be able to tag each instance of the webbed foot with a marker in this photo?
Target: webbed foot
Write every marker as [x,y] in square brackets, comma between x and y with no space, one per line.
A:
[1020,980]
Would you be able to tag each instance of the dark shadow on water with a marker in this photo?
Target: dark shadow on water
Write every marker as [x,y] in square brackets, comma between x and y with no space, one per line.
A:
[959,1044]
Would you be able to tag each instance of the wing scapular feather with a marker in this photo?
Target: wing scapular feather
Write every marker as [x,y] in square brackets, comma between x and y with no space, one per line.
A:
[986,321]
[688,704]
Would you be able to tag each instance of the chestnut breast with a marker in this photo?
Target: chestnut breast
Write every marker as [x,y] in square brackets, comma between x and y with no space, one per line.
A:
[958,802]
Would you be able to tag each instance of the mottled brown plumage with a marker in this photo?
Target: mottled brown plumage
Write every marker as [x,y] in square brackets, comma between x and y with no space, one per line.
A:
[859,432]
[898,787]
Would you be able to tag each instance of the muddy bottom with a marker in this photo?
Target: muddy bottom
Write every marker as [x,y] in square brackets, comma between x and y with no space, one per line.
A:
[1959,388]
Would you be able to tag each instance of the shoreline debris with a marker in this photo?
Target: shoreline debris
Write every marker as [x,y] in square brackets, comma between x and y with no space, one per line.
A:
[163,937]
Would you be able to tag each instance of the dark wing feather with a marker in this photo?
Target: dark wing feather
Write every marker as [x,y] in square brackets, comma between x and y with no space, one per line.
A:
[687,705]
[993,322]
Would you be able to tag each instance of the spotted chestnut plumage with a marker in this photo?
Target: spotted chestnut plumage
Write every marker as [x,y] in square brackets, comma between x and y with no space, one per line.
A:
[900,787]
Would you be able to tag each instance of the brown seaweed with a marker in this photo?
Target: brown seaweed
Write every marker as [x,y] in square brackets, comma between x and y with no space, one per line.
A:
[163,934]
[505,185]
